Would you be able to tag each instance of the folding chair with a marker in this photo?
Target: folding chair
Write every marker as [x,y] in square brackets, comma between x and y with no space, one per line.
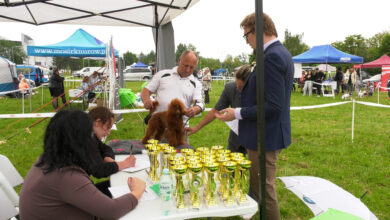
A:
[7,209]
[9,171]
[75,93]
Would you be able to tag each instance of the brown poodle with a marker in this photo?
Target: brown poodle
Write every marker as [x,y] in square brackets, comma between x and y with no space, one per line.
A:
[168,123]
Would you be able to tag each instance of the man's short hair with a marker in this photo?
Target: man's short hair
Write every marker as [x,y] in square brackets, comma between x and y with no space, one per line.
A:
[185,53]
[243,72]
[269,26]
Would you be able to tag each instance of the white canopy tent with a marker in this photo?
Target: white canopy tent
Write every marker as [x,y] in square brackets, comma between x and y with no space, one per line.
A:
[156,14]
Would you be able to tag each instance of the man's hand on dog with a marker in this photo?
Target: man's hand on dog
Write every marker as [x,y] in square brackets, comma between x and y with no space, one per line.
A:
[148,104]
[191,112]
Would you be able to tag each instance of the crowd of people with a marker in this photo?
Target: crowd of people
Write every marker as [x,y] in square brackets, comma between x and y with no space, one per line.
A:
[347,82]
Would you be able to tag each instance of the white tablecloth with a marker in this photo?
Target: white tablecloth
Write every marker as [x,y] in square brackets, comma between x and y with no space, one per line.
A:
[151,209]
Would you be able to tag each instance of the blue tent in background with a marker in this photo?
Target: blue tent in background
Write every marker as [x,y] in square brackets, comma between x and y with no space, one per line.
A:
[326,54]
[139,65]
[219,71]
[80,44]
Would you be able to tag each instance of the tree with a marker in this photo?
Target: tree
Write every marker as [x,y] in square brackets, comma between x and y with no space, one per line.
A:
[12,50]
[179,50]
[129,58]
[211,63]
[384,47]
[294,43]
[149,58]
[355,45]
[182,47]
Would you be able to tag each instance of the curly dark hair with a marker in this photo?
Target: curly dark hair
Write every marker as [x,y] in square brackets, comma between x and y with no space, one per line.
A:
[102,113]
[68,141]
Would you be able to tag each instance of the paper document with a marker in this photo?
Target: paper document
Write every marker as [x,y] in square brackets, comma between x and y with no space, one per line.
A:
[118,191]
[140,164]
[233,125]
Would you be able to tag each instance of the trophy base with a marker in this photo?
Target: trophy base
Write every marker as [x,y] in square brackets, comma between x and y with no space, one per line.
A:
[245,202]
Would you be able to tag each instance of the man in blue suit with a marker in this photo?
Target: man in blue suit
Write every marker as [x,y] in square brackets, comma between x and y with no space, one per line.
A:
[278,80]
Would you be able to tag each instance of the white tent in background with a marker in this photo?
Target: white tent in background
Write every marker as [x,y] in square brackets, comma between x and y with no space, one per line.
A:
[326,67]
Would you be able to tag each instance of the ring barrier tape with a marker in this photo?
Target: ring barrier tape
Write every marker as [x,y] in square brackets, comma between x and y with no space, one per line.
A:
[318,106]
[20,90]
[373,104]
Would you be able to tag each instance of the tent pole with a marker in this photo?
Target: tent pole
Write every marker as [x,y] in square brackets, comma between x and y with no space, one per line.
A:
[30,99]
[156,28]
[260,107]
[378,93]
[353,118]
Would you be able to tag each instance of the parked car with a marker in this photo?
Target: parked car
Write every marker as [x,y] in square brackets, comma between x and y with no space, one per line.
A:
[137,74]
[87,71]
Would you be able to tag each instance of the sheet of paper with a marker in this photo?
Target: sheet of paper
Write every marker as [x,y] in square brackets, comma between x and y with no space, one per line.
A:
[118,191]
[233,125]
[140,164]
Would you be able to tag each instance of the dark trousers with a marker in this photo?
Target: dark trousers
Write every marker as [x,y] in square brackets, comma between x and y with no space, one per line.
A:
[318,86]
[206,96]
[55,101]
[338,87]
[103,187]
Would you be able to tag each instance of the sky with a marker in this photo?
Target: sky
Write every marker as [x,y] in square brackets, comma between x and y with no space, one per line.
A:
[213,26]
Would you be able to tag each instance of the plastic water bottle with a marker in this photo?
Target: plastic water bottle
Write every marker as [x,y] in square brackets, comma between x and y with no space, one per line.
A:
[166,192]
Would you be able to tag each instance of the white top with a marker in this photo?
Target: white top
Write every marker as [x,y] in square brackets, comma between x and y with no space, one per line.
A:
[169,85]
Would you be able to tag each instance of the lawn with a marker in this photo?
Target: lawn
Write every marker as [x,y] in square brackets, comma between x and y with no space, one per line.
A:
[321,145]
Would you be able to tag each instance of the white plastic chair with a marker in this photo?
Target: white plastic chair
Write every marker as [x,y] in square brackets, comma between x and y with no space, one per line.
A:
[7,209]
[76,93]
[9,171]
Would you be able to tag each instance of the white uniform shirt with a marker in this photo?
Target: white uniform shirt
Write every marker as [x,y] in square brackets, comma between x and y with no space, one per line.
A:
[169,85]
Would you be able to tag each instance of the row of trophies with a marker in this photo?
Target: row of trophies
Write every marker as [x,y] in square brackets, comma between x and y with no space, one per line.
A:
[201,171]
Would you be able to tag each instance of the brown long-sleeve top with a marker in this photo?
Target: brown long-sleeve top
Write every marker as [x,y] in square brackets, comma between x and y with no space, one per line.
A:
[68,193]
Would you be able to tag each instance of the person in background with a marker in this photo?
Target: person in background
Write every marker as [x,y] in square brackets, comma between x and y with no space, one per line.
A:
[58,185]
[318,78]
[84,87]
[23,85]
[278,79]
[357,82]
[388,89]
[92,80]
[103,119]
[56,88]
[302,80]
[339,79]
[230,97]
[308,83]
[206,84]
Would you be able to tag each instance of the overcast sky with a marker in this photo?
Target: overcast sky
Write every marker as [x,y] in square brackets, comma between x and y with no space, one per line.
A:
[213,25]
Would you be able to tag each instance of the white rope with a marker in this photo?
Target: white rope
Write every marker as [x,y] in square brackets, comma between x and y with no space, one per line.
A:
[318,106]
[20,90]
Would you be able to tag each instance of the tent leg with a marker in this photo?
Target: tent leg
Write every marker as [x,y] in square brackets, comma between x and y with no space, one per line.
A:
[353,117]
[22,102]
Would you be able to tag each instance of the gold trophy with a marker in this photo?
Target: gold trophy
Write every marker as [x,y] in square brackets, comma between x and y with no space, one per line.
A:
[179,171]
[223,177]
[185,151]
[230,167]
[244,166]
[202,149]
[211,169]
[152,141]
[237,174]
[195,184]
[154,164]
[216,148]
[167,153]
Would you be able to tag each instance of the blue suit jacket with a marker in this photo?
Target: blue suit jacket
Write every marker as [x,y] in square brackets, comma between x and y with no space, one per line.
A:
[278,79]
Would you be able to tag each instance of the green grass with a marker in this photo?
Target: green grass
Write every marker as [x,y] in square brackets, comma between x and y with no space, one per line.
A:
[321,145]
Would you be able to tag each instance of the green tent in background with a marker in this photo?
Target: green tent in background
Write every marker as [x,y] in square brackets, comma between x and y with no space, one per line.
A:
[127,97]
[334,214]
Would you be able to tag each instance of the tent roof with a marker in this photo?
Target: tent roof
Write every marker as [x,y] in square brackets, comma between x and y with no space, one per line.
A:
[101,12]
[139,65]
[326,54]
[378,63]
[79,44]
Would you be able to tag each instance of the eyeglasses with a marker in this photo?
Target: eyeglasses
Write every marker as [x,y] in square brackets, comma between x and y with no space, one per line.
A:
[246,34]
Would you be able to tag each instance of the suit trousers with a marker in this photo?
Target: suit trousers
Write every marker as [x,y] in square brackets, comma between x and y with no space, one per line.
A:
[271,199]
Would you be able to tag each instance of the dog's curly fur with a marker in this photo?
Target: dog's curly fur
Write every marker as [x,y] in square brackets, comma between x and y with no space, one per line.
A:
[168,123]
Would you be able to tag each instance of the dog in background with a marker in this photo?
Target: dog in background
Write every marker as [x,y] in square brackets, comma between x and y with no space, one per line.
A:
[346,96]
[168,123]
[362,94]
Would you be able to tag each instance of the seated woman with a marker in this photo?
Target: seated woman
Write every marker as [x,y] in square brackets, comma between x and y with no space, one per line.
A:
[23,84]
[103,119]
[58,186]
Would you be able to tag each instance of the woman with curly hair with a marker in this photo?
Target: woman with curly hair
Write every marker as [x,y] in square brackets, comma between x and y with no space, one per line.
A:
[58,185]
